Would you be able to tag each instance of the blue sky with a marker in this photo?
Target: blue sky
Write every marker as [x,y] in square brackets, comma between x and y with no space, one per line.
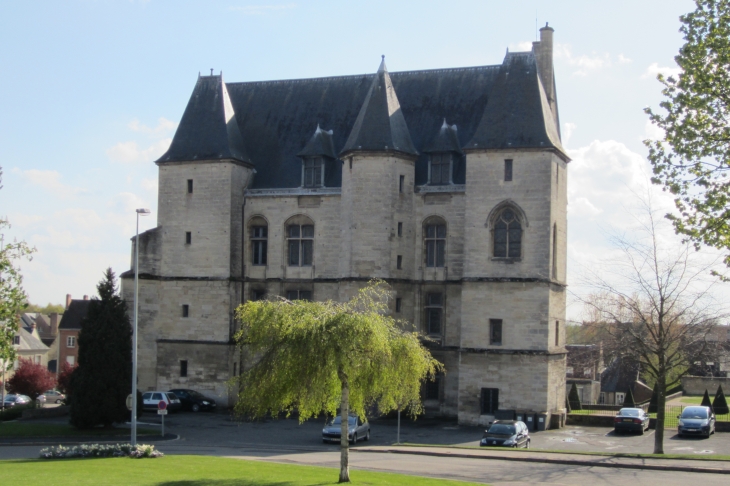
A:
[91,92]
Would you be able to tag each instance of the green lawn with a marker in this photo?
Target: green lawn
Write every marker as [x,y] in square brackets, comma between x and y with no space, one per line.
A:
[691,400]
[23,429]
[190,471]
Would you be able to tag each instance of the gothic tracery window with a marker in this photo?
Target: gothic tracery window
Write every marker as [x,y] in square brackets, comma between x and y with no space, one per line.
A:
[507,234]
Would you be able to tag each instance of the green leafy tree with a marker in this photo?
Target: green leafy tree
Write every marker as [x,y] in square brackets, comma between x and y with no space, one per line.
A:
[103,379]
[48,309]
[12,295]
[719,404]
[574,398]
[693,158]
[316,357]
[706,402]
[629,401]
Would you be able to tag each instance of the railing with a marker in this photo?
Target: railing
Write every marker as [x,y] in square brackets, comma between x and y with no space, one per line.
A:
[670,416]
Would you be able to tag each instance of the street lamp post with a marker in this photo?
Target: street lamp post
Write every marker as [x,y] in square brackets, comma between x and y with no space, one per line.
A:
[140,212]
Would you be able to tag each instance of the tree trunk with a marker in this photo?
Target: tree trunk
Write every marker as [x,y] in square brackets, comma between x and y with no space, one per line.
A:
[344,442]
[660,414]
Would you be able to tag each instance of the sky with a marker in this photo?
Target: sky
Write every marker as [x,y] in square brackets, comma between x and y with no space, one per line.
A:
[91,93]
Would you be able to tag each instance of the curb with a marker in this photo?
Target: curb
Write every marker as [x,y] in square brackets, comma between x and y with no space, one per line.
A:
[51,441]
[566,462]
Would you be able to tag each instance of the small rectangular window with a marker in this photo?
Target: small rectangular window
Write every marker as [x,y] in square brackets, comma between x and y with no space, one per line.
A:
[399,262]
[183,368]
[433,388]
[434,313]
[259,235]
[299,295]
[557,333]
[258,294]
[185,310]
[508,170]
[490,401]
[400,229]
[16,340]
[495,332]
[401,183]
[398,304]
[70,342]
[188,237]
[235,369]
[190,186]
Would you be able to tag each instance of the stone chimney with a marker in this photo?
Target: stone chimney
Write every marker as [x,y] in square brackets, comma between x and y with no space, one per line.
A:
[86,297]
[544,54]
[54,323]
[68,300]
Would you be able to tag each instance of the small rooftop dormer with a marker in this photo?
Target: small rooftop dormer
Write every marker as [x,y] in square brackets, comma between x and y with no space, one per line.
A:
[317,157]
[380,125]
[443,151]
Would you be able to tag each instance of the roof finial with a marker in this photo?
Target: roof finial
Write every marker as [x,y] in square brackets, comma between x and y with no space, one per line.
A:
[211,71]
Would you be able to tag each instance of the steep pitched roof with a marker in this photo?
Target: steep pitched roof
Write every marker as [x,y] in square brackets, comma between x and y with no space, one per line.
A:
[380,125]
[208,128]
[319,144]
[620,375]
[76,312]
[28,342]
[518,114]
[446,140]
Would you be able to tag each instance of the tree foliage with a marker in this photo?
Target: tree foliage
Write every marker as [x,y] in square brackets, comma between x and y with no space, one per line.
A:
[706,402]
[31,379]
[657,297]
[12,295]
[103,379]
[316,357]
[693,159]
[64,377]
[47,309]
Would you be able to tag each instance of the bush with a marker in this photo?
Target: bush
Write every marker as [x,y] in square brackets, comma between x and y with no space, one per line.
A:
[706,400]
[14,413]
[574,398]
[100,450]
[64,378]
[629,401]
[719,404]
[31,379]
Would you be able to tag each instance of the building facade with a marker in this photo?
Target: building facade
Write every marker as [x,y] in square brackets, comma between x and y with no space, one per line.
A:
[449,184]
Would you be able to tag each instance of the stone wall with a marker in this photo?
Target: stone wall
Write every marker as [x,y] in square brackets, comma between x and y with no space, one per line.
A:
[696,385]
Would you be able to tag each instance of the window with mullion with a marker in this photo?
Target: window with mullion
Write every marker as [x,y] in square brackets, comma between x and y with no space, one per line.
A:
[434,313]
[313,172]
[507,235]
[259,235]
[440,169]
[301,245]
[435,245]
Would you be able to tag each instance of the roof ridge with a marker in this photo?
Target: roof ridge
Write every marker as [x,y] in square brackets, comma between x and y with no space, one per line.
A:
[351,76]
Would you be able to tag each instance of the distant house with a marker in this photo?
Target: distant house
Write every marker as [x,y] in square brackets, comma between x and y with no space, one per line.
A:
[46,328]
[584,365]
[621,375]
[28,346]
[68,329]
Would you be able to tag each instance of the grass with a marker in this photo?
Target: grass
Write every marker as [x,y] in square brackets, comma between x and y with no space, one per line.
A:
[191,471]
[694,457]
[21,430]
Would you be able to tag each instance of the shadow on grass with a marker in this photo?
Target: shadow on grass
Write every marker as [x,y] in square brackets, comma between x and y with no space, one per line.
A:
[235,482]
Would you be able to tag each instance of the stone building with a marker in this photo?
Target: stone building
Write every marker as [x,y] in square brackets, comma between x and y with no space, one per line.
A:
[449,184]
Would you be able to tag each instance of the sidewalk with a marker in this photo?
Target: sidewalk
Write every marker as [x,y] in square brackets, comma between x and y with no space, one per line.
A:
[658,464]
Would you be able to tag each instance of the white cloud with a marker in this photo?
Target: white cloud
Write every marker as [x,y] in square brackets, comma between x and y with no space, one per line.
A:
[567,132]
[652,132]
[521,46]
[623,59]
[50,180]
[164,127]
[130,152]
[654,69]
[263,9]
[585,63]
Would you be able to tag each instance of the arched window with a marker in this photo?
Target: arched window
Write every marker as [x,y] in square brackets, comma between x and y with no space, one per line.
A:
[507,234]
[300,241]
[434,242]
[259,234]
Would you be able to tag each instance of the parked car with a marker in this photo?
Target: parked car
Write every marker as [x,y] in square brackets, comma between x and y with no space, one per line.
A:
[54,396]
[506,433]
[13,400]
[193,400]
[696,421]
[151,400]
[356,430]
[631,420]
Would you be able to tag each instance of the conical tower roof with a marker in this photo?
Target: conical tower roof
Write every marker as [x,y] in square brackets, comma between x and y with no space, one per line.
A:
[320,144]
[380,125]
[208,129]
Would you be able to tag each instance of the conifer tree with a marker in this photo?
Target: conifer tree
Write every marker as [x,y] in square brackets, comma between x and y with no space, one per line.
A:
[574,398]
[654,401]
[706,400]
[103,378]
[719,404]
[629,401]
[567,405]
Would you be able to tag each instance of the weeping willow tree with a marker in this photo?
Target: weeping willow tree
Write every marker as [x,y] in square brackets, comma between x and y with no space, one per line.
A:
[318,357]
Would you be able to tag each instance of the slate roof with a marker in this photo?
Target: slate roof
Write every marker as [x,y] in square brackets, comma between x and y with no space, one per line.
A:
[28,342]
[446,140]
[319,144]
[620,375]
[76,312]
[275,118]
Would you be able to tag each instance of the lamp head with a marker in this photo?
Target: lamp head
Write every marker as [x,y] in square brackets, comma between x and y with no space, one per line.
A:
[143,212]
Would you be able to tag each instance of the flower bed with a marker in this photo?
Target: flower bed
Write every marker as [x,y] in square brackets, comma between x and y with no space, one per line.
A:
[100,450]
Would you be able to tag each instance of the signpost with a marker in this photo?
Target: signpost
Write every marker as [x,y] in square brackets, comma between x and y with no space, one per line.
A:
[129,402]
[162,410]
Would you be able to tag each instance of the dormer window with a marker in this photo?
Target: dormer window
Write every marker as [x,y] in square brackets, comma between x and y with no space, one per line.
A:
[313,172]
[439,169]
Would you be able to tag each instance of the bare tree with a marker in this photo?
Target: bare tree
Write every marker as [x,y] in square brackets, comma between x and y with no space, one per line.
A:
[656,296]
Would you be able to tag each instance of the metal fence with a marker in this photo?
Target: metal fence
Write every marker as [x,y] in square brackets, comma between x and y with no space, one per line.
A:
[672,412]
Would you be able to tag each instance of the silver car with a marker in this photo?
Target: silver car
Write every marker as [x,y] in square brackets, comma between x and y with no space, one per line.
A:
[53,396]
[356,430]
